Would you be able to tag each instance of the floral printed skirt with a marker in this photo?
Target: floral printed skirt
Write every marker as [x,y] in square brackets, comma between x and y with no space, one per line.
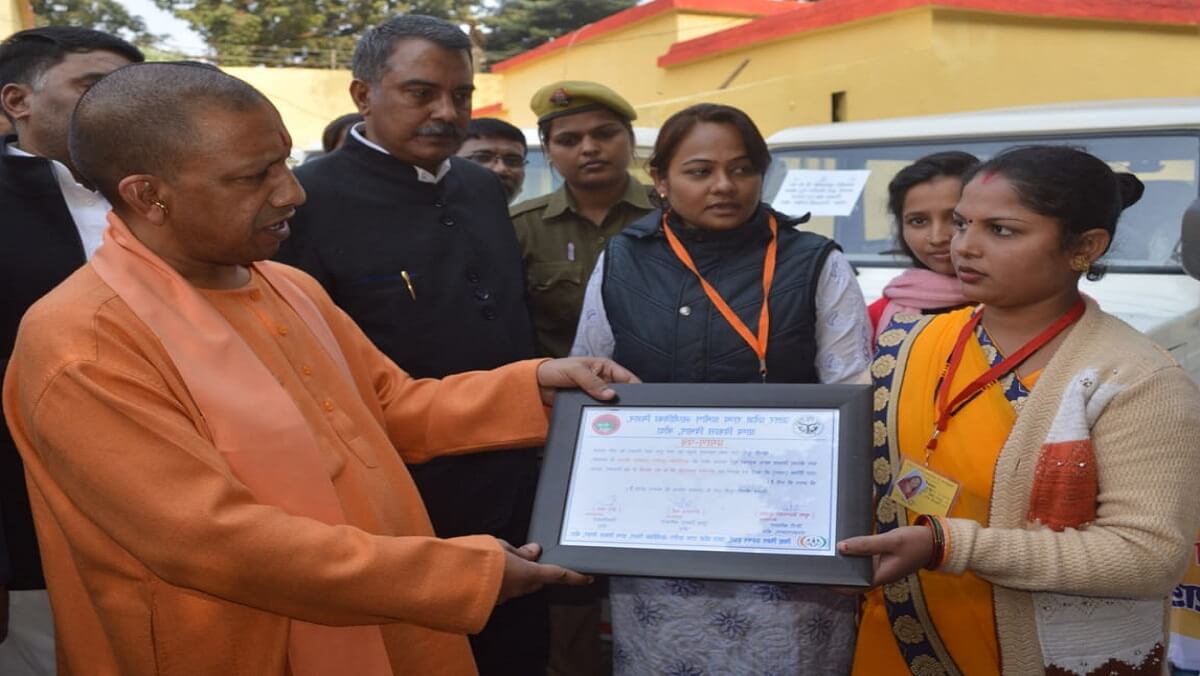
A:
[708,628]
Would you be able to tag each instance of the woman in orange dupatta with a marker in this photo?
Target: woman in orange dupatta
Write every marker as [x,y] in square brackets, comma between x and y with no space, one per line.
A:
[960,606]
[1024,529]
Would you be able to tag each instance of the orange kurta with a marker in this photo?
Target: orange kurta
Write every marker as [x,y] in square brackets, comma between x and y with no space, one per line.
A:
[158,559]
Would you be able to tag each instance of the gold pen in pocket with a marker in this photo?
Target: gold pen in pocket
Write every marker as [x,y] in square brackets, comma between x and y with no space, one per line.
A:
[408,283]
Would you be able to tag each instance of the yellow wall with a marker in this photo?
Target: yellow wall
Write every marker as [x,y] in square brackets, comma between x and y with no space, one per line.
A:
[310,98]
[9,18]
[307,98]
[923,60]
[13,17]
[789,82]
[1026,61]
[489,89]
[623,59]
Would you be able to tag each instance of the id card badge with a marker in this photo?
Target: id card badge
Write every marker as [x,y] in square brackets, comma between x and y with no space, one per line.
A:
[924,491]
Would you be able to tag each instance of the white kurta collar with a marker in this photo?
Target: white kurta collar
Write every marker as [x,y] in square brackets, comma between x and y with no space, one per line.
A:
[422,175]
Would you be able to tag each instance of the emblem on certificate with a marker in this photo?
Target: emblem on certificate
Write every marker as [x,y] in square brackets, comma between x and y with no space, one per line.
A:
[739,482]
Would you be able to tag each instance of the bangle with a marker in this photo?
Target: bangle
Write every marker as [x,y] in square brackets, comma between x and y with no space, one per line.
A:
[939,544]
[937,531]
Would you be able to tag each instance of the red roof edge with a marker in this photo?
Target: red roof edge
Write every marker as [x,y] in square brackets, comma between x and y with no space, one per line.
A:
[628,17]
[490,109]
[834,12]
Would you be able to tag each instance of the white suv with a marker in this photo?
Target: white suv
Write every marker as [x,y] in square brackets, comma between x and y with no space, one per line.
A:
[1156,139]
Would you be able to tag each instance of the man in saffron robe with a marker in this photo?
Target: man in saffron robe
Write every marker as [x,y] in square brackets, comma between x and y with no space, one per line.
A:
[215,452]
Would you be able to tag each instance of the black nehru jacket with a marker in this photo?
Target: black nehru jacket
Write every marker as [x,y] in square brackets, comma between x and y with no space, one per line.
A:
[368,222]
[39,248]
[432,273]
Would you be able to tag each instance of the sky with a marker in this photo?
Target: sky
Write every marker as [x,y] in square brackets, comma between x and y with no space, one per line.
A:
[179,37]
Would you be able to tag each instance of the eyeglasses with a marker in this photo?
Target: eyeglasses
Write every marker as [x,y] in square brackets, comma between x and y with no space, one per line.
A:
[512,161]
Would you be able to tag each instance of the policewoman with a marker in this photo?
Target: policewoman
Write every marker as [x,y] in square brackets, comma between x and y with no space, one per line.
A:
[587,135]
[716,287]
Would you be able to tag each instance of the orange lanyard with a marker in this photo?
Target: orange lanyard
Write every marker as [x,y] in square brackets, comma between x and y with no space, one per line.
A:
[759,343]
[948,407]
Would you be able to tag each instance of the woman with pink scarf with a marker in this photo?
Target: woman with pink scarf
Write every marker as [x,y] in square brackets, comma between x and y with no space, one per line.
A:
[922,197]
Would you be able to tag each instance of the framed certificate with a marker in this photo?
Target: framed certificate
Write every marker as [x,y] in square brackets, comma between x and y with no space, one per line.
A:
[714,481]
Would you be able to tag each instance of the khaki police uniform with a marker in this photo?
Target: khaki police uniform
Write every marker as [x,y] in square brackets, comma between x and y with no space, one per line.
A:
[560,248]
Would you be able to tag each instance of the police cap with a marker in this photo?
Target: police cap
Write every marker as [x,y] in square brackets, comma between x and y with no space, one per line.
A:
[576,96]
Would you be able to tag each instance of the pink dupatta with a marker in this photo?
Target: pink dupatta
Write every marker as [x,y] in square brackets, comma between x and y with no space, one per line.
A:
[917,289]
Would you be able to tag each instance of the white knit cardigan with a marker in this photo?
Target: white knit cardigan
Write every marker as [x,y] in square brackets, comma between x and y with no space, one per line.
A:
[1074,600]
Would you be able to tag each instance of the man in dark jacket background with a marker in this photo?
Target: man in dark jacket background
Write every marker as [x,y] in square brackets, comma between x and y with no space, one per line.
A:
[417,247]
[51,224]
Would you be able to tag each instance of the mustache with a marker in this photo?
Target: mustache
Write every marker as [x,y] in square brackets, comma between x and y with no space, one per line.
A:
[441,129]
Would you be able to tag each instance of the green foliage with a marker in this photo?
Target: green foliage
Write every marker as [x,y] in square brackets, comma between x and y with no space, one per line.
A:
[519,25]
[295,32]
[322,33]
[109,16]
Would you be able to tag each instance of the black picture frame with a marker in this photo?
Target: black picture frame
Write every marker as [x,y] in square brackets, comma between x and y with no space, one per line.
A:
[854,495]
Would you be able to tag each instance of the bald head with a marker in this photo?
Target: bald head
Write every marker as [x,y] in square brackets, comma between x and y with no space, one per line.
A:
[140,119]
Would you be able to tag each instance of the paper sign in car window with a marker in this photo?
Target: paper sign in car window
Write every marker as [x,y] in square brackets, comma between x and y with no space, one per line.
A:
[822,193]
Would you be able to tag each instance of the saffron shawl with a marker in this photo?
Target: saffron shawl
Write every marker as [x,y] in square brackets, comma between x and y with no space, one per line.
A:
[253,421]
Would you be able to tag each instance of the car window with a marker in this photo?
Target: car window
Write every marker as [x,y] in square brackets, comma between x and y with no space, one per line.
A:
[541,180]
[1147,236]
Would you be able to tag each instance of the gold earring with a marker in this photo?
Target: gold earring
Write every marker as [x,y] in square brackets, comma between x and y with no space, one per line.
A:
[1080,264]
[160,205]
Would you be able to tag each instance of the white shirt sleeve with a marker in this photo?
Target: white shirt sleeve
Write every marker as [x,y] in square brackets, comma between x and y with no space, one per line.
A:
[88,208]
[594,336]
[843,327]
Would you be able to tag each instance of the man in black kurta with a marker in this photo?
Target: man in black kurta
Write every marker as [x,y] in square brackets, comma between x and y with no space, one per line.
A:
[417,247]
[370,222]
[50,225]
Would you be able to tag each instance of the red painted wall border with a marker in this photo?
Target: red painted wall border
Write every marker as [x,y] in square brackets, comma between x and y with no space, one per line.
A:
[638,13]
[834,12]
[490,109]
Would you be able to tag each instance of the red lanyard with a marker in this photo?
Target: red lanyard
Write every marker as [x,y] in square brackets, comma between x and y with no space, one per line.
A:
[759,343]
[947,409]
